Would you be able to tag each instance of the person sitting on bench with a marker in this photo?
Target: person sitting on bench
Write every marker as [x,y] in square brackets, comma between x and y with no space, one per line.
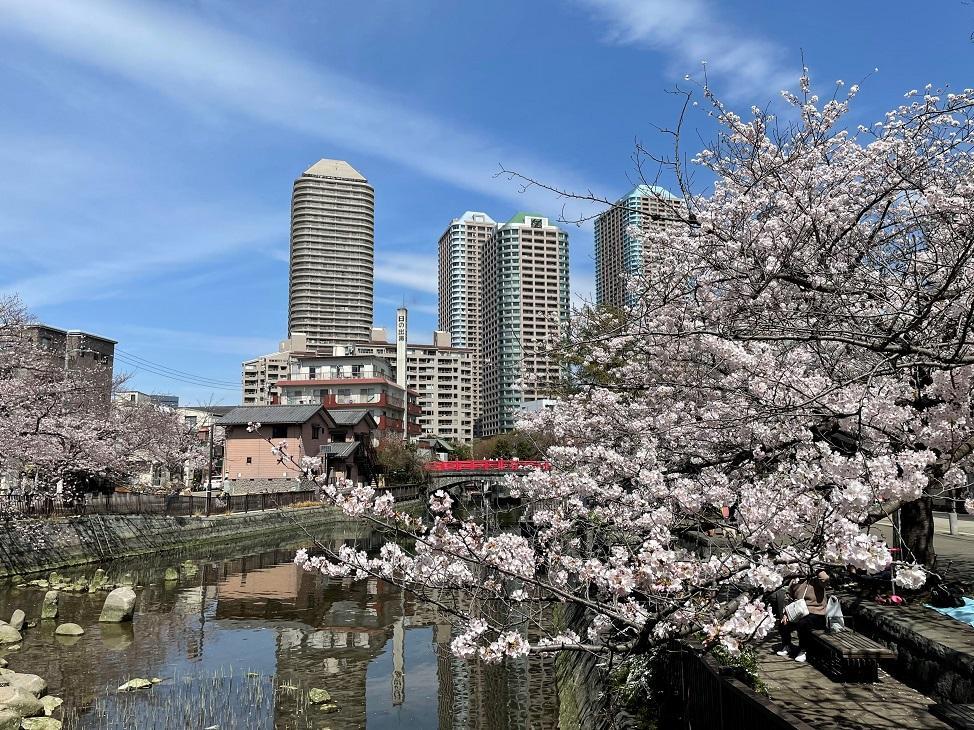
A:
[814,591]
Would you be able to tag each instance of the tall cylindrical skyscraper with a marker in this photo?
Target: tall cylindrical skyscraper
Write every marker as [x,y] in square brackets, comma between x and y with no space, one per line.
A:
[332,255]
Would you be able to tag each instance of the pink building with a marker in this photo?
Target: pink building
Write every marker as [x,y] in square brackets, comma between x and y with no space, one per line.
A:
[344,441]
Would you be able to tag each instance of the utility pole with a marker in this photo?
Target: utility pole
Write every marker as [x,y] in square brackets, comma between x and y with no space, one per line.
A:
[209,470]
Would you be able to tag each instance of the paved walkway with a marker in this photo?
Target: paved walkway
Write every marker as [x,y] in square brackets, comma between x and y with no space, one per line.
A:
[811,696]
[828,705]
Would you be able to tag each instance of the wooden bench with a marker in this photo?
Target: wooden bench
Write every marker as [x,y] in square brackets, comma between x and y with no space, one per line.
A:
[959,716]
[845,656]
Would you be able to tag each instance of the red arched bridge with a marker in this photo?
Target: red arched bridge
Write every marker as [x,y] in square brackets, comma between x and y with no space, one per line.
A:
[486,465]
[477,474]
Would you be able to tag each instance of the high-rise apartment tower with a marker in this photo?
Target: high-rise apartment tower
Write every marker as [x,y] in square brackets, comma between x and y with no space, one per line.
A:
[332,252]
[525,301]
[461,248]
[618,252]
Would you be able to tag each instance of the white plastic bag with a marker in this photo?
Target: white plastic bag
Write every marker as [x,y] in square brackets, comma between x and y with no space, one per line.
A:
[834,620]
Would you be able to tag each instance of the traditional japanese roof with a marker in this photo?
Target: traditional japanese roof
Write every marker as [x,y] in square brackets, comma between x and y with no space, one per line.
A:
[214,410]
[350,417]
[339,449]
[242,415]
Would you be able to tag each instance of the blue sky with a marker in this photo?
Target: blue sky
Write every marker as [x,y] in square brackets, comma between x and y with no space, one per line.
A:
[147,150]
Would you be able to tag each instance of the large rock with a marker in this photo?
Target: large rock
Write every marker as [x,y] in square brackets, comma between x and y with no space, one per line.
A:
[9,635]
[69,630]
[9,719]
[51,703]
[49,608]
[20,700]
[98,580]
[119,606]
[134,684]
[318,696]
[17,619]
[41,723]
[28,682]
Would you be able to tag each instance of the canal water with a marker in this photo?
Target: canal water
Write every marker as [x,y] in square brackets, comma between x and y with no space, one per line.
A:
[240,638]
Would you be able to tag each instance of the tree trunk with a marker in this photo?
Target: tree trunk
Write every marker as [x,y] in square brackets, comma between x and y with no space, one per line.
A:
[916,528]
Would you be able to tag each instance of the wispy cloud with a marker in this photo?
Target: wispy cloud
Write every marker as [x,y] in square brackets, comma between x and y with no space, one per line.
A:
[389,303]
[413,271]
[208,68]
[120,264]
[740,63]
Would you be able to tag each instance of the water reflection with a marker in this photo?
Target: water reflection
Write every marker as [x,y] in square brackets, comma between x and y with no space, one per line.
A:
[381,653]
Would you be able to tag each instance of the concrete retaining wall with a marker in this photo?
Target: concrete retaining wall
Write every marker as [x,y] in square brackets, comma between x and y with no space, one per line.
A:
[585,700]
[41,545]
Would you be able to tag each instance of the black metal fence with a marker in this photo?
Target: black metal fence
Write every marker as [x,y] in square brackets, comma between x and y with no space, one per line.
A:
[708,697]
[132,503]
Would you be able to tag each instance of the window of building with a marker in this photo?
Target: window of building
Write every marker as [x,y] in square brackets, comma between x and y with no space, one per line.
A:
[315,432]
[279,432]
[250,459]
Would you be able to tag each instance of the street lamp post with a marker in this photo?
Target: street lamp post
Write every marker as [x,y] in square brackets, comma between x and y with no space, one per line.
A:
[209,474]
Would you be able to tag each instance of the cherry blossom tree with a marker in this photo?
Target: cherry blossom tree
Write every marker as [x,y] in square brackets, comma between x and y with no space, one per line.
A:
[59,426]
[796,365]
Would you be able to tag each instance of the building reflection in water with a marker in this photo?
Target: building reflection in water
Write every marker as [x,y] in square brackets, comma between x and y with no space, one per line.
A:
[382,654]
[341,627]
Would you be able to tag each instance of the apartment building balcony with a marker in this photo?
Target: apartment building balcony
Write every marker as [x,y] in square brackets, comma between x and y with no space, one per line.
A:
[356,401]
[393,425]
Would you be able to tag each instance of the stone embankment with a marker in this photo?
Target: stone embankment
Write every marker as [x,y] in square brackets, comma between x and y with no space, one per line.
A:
[41,545]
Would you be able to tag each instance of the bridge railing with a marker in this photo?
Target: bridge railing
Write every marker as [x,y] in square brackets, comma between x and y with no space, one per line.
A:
[487,465]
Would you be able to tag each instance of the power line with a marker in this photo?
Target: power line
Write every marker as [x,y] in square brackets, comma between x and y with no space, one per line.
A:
[187,381]
[160,366]
[129,357]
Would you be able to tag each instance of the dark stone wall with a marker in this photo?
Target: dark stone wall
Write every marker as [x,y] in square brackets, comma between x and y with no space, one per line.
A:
[585,698]
[934,653]
[41,545]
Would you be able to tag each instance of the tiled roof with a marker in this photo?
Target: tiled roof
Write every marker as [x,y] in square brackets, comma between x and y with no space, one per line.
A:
[347,417]
[242,415]
[214,410]
[339,449]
